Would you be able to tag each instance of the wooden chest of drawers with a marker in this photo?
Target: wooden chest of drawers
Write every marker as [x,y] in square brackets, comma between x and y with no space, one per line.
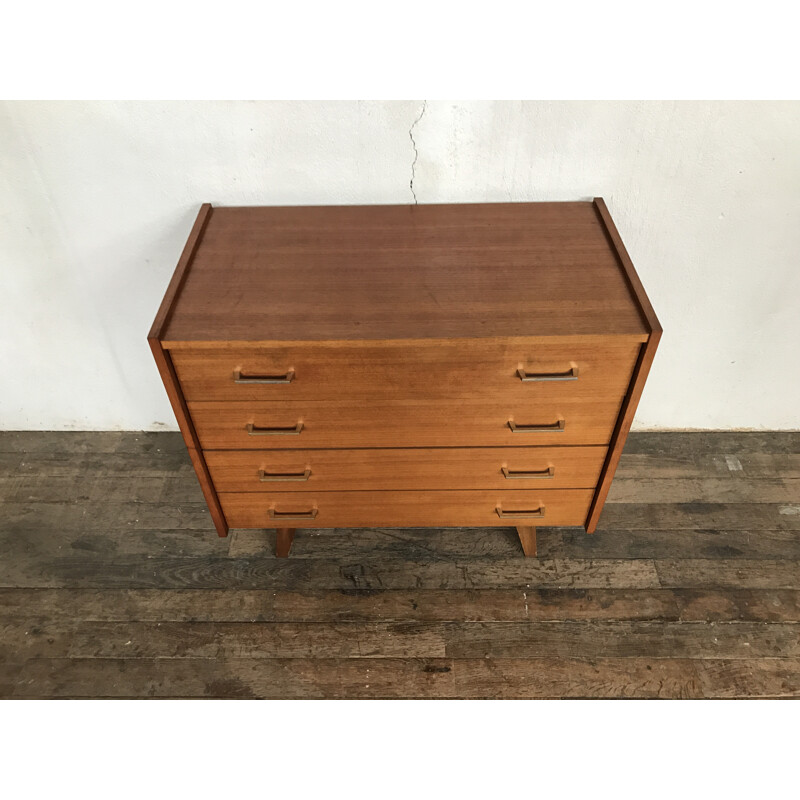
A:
[442,365]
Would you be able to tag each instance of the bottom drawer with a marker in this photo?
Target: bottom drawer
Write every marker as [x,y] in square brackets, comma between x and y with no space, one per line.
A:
[406,508]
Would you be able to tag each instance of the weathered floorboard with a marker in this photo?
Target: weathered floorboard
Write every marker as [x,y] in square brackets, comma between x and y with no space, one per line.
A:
[408,639]
[35,606]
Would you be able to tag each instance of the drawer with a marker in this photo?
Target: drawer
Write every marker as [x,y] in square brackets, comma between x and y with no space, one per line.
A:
[469,369]
[493,507]
[301,424]
[419,468]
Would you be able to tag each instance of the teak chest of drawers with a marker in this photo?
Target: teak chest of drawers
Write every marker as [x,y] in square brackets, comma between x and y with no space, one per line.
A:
[440,365]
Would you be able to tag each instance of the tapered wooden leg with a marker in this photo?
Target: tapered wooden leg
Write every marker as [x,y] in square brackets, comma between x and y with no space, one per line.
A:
[527,537]
[284,541]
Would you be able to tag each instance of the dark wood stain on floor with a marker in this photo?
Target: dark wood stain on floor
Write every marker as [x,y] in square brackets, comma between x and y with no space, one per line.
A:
[113,583]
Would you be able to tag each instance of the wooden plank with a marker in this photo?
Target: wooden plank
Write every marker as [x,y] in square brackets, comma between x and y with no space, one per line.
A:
[690,444]
[133,571]
[571,639]
[737,468]
[728,573]
[734,679]
[37,606]
[544,678]
[50,444]
[29,548]
[766,605]
[423,605]
[589,639]
[665,544]
[231,678]
[90,467]
[702,516]
[365,678]
[706,490]
[540,678]
[201,640]
[90,517]
[84,489]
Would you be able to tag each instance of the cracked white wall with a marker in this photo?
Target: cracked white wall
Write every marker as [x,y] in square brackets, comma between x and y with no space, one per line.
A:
[96,200]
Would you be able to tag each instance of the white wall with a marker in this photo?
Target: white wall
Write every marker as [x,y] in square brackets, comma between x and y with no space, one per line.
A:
[96,201]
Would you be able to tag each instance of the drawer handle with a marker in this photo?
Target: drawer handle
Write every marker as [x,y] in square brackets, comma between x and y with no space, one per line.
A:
[569,375]
[252,430]
[265,476]
[239,378]
[544,473]
[556,427]
[273,514]
[537,512]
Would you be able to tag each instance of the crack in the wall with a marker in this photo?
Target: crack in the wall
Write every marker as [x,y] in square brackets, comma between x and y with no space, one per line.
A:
[416,152]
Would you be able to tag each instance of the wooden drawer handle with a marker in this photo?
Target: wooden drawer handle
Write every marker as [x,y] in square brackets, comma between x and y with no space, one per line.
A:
[273,514]
[239,378]
[252,430]
[265,476]
[544,473]
[570,375]
[537,512]
[556,427]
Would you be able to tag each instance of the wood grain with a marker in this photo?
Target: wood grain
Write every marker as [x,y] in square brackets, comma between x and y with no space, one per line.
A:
[407,423]
[375,640]
[35,607]
[540,678]
[315,509]
[470,369]
[403,272]
[404,469]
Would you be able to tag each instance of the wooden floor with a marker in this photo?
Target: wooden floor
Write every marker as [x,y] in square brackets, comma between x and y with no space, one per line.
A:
[114,584]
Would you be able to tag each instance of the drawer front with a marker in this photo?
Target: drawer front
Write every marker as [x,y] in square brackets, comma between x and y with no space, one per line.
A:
[473,369]
[299,424]
[420,468]
[406,509]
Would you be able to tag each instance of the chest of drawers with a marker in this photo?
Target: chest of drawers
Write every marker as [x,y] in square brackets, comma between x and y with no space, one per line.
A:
[440,365]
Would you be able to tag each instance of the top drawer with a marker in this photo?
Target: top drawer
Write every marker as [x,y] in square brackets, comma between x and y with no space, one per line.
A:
[512,368]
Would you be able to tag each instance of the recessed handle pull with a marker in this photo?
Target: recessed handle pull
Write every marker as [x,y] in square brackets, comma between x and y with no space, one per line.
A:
[252,430]
[238,377]
[265,476]
[536,512]
[274,514]
[556,427]
[544,473]
[532,377]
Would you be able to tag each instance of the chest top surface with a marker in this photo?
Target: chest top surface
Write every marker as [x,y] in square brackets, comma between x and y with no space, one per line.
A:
[402,272]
